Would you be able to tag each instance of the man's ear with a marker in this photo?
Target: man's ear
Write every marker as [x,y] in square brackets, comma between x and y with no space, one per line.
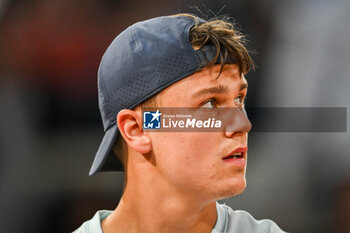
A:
[130,127]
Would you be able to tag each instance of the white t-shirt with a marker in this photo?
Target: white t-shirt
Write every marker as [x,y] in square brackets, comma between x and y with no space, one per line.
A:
[228,221]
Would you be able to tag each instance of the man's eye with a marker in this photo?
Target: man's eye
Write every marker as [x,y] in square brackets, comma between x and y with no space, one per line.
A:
[209,104]
[240,100]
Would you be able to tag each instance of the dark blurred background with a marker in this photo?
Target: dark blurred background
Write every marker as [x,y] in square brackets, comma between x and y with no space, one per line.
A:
[50,125]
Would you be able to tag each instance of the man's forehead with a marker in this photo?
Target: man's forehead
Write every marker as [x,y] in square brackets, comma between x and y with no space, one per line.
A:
[218,89]
[218,78]
[229,69]
[209,80]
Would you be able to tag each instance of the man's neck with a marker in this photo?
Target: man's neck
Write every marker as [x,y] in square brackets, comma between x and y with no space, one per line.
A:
[149,206]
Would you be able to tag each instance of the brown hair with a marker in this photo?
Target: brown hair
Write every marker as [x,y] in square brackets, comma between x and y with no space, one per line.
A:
[228,41]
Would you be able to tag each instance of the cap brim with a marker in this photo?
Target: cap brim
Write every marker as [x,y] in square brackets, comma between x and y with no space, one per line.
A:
[105,160]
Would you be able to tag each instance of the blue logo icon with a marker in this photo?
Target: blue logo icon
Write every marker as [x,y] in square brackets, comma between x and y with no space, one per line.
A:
[151,120]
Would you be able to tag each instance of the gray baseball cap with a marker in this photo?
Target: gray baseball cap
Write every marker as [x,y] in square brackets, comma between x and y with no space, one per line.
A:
[141,61]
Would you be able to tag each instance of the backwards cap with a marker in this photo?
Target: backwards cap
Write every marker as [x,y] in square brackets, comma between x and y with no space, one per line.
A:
[141,61]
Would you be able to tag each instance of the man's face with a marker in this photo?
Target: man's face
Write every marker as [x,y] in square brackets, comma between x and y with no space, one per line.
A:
[194,161]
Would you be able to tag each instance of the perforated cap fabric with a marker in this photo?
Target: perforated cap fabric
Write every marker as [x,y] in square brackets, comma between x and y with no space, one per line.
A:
[140,62]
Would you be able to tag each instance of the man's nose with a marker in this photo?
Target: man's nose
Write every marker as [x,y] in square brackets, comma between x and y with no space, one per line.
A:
[237,122]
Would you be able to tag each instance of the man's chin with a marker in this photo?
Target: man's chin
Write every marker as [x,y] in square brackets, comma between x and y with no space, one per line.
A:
[233,190]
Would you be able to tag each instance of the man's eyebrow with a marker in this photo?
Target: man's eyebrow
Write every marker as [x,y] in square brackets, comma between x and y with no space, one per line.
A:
[211,90]
[217,90]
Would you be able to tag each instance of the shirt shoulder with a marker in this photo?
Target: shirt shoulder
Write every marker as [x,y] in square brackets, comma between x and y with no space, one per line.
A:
[232,221]
[94,225]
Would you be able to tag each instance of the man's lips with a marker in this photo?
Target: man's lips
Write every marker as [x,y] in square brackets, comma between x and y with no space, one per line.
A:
[238,153]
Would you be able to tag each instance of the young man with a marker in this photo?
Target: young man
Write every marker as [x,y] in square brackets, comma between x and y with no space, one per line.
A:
[173,179]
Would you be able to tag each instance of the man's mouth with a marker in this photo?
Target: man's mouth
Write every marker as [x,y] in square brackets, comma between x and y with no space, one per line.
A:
[238,153]
[234,156]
